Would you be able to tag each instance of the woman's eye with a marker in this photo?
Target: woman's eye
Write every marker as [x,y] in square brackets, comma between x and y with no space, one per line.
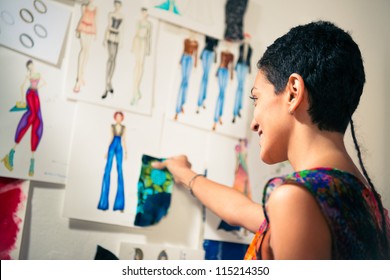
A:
[254,99]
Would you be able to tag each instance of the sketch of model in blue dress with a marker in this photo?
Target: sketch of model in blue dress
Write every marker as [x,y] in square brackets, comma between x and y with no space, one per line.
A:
[243,67]
[169,5]
[118,144]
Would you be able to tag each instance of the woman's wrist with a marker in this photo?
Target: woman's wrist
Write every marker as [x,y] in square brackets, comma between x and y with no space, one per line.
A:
[191,182]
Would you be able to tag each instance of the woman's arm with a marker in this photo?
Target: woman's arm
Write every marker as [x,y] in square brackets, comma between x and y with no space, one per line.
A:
[229,204]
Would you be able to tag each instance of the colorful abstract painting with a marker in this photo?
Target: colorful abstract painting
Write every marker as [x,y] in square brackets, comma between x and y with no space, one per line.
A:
[154,193]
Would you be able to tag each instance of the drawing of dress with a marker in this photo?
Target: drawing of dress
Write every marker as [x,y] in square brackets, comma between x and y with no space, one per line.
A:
[113,39]
[241,180]
[169,5]
[188,59]
[223,77]
[115,149]
[140,48]
[242,68]
[207,56]
[86,31]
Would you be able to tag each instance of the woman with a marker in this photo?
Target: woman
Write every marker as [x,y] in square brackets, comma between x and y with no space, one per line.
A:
[31,118]
[112,39]
[308,85]
[118,144]
[86,31]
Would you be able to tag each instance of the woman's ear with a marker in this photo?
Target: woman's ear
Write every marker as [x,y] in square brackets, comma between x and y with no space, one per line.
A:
[295,89]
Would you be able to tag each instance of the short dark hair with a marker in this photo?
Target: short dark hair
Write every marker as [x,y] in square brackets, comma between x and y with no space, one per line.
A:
[28,63]
[330,64]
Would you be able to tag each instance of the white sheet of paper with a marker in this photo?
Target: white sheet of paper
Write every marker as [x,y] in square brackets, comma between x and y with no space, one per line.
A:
[92,136]
[95,67]
[51,156]
[44,37]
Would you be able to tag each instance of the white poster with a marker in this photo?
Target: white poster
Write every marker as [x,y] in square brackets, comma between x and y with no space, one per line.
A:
[36,28]
[112,56]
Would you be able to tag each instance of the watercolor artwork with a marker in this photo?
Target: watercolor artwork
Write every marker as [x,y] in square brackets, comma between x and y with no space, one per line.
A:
[154,193]
[112,55]
[13,204]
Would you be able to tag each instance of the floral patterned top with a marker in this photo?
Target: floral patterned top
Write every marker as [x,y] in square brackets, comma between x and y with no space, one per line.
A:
[349,207]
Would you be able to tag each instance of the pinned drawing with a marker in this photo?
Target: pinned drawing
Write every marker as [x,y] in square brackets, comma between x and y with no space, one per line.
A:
[154,193]
[116,148]
[188,59]
[31,118]
[241,180]
[112,39]
[86,32]
[140,49]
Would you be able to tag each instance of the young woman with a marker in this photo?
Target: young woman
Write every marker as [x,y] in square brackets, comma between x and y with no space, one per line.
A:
[308,85]
[31,118]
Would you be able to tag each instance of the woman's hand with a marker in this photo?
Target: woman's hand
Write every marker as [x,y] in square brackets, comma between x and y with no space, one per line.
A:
[179,166]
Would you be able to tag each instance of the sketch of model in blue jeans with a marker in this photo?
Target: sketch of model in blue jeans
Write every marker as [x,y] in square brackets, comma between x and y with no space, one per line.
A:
[242,68]
[115,149]
[223,77]
[207,57]
[188,58]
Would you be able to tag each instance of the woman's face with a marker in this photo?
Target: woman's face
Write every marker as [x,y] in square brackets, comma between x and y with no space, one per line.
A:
[270,120]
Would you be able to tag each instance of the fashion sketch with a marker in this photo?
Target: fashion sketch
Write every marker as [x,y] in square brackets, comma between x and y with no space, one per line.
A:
[226,66]
[234,19]
[169,5]
[241,179]
[243,67]
[31,118]
[112,40]
[188,59]
[86,32]
[140,49]
[116,148]
[208,56]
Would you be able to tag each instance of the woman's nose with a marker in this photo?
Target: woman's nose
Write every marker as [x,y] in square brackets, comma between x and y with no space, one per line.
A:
[254,125]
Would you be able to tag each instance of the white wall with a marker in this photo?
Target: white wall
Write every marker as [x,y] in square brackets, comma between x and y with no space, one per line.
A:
[49,236]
